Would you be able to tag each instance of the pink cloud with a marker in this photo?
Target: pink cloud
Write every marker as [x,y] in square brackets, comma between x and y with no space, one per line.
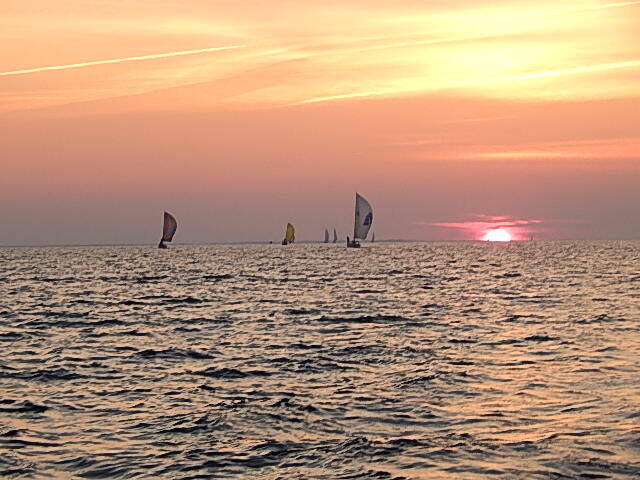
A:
[519,229]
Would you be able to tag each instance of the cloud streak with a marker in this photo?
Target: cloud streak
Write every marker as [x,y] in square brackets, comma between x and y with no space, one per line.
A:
[518,228]
[485,222]
[119,60]
[399,91]
[613,5]
[575,71]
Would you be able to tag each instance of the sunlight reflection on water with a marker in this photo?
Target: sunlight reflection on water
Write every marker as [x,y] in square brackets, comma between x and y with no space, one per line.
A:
[432,360]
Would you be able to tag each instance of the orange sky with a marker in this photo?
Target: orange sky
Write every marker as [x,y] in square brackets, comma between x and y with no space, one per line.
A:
[241,116]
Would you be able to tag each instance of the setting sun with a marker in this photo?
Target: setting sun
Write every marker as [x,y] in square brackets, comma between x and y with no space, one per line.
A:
[497,235]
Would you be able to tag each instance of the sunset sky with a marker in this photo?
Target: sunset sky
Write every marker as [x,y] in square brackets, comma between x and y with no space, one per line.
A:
[451,117]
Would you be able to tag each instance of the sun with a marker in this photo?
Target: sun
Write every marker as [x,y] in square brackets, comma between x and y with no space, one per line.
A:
[497,235]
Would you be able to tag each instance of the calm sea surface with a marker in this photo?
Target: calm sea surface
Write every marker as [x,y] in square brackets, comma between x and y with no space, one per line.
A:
[416,361]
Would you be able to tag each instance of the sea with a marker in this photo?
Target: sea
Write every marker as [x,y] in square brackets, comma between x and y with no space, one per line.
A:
[462,360]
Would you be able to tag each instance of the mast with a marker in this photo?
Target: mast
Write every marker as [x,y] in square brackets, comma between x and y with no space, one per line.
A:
[355,220]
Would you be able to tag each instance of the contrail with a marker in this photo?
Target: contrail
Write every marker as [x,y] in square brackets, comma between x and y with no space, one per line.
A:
[118,60]
[572,71]
[613,5]
[342,97]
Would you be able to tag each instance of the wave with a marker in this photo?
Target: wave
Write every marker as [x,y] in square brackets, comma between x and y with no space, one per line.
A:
[43,375]
[25,406]
[217,278]
[364,319]
[230,373]
[173,353]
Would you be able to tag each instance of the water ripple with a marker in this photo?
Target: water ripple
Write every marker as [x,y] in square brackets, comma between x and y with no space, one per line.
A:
[398,361]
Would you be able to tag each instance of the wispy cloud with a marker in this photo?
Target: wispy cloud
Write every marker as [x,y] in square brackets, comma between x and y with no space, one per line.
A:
[575,71]
[475,147]
[518,227]
[612,5]
[484,222]
[118,60]
[400,91]
[480,119]
[345,96]
[355,51]
[575,149]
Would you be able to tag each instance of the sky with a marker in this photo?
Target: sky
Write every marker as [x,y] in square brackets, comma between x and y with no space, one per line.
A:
[452,118]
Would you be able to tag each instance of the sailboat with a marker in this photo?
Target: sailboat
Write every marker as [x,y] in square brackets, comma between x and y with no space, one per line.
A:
[335,236]
[363,221]
[168,229]
[373,237]
[290,235]
[326,236]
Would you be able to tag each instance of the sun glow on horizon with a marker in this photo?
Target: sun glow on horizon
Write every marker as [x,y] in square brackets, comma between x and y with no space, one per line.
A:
[497,235]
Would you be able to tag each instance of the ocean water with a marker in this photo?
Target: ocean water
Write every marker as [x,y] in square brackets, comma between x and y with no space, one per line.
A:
[394,361]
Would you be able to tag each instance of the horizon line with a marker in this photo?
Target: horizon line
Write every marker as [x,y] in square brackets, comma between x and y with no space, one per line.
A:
[319,242]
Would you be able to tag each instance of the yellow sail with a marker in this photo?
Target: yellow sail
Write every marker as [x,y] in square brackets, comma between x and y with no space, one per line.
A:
[290,236]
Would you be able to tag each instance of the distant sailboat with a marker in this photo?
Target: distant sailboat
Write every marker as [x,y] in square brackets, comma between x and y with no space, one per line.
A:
[335,236]
[363,221]
[168,229]
[326,236]
[290,235]
[373,237]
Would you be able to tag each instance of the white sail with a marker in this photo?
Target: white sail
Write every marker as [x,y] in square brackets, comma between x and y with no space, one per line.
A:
[335,236]
[326,236]
[363,218]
